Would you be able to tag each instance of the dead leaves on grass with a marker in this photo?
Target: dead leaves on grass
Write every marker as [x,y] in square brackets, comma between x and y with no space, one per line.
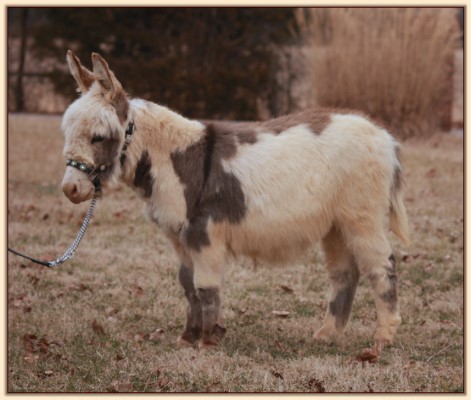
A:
[136,290]
[371,356]
[316,385]
[287,289]
[98,328]
[153,336]
[21,301]
[35,348]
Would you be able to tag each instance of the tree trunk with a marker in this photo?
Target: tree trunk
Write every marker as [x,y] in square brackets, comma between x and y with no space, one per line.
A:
[20,99]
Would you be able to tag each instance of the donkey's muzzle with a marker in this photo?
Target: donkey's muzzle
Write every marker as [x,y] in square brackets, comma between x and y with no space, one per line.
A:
[76,186]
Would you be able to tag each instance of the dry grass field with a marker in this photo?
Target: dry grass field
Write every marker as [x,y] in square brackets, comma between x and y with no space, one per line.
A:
[107,320]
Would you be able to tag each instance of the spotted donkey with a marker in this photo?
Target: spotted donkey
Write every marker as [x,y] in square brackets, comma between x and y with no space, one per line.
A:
[267,190]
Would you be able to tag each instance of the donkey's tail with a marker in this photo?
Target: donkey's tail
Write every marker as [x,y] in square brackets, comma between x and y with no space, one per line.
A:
[397,212]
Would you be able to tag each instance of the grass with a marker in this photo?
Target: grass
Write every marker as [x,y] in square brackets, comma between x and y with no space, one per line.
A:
[92,325]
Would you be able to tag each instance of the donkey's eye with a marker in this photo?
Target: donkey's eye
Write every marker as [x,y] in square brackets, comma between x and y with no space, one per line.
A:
[96,139]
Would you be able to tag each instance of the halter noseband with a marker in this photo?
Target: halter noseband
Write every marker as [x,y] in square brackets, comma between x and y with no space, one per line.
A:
[93,173]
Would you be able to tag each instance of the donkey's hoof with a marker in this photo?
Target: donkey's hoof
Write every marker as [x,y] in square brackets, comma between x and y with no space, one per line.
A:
[182,342]
[325,335]
[188,338]
[213,340]
[207,346]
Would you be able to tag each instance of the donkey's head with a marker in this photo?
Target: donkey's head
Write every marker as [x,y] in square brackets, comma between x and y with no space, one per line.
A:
[94,127]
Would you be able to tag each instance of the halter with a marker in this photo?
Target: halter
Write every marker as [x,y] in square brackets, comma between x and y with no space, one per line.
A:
[93,174]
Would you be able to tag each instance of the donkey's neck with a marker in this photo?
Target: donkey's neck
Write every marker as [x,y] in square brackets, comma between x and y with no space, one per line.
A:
[160,132]
[147,165]
[164,128]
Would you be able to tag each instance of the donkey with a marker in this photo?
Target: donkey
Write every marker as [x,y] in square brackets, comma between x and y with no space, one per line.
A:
[267,190]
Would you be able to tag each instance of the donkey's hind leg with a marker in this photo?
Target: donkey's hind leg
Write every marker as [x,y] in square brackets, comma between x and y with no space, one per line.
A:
[372,251]
[344,275]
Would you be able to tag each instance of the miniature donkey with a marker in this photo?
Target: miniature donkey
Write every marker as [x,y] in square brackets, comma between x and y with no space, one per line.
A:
[267,190]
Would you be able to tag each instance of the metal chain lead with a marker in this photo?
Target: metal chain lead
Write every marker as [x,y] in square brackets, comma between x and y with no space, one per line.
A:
[69,253]
[71,250]
[93,173]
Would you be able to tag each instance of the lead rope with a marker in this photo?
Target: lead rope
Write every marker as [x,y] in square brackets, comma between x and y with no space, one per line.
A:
[71,250]
[93,174]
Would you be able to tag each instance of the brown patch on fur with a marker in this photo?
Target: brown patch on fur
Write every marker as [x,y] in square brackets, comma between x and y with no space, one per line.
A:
[143,178]
[244,132]
[317,120]
[121,105]
[105,153]
[209,190]
[341,306]
[390,296]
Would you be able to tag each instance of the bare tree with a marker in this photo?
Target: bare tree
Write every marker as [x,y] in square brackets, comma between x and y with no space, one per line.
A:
[20,101]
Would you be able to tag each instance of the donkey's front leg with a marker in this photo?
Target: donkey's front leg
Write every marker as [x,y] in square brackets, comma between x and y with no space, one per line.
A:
[194,321]
[208,280]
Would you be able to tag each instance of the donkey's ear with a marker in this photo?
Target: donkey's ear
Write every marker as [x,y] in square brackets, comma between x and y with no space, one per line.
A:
[105,76]
[82,75]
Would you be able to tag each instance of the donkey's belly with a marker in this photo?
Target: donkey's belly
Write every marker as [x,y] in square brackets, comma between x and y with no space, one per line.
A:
[278,241]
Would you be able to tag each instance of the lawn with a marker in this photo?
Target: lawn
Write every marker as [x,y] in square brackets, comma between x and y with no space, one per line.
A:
[108,320]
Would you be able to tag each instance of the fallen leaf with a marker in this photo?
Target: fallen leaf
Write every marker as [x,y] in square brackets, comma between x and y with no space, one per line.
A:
[48,373]
[281,314]
[371,356]
[97,328]
[111,311]
[119,215]
[34,279]
[139,337]
[43,345]
[286,288]
[409,365]
[276,374]
[157,334]
[404,256]
[136,290]
[242,310]
[29,342]
[80,287]
[317,385]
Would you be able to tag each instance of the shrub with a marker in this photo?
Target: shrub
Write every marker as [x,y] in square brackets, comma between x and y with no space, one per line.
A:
[393,63]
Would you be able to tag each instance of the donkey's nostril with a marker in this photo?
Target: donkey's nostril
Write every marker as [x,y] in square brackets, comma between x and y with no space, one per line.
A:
[71,191]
